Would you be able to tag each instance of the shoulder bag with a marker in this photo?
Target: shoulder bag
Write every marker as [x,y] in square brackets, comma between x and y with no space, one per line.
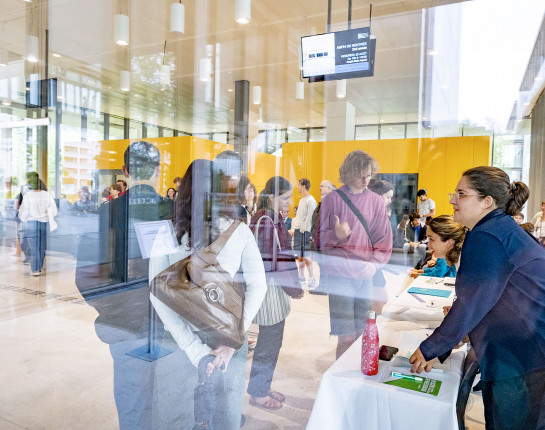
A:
[378,279]
[202,292]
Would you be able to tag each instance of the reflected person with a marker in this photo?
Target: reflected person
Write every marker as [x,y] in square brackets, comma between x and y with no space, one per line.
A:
[201,217]
[123,320]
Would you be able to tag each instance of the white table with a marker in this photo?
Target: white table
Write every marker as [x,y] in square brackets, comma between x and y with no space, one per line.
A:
[347,399]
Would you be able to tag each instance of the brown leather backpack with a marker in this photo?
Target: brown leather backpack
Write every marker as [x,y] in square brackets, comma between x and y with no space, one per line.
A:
[202,292]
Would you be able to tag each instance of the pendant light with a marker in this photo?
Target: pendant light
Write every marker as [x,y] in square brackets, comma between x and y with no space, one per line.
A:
[125,80]
[256,95]
[177,17]
[164,78]
[300,90]
[32,49]
[121,29]
[243,11]
[341,88]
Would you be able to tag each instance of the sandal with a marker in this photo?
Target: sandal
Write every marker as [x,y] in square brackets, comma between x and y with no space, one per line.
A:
[277,396]
[270,403]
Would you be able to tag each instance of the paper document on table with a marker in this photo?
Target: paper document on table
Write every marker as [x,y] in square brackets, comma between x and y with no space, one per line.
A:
[420,384]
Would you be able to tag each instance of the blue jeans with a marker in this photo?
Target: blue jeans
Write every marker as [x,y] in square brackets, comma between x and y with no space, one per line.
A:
[36,234]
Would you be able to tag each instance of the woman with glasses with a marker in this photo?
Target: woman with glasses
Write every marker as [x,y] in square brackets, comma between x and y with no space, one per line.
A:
[500,289]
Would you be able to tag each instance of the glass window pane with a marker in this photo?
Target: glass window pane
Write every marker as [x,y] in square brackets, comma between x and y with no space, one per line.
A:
[366,132]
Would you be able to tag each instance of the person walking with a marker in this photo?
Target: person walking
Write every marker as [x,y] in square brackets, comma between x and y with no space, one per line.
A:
[36,211]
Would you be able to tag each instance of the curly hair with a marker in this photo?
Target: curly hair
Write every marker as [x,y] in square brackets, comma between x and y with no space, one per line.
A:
[355,164]
[446,228]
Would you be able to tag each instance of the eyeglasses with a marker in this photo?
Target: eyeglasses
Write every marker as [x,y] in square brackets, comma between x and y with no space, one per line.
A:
[455,197]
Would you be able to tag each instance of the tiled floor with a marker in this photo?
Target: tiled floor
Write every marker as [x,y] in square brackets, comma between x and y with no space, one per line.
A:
[56,373]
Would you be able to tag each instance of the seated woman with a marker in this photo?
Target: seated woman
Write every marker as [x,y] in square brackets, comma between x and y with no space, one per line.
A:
[446,237]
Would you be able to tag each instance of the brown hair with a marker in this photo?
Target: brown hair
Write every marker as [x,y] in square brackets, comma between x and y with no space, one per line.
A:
[356,163]
[494,182]
[446,228]
[116,186]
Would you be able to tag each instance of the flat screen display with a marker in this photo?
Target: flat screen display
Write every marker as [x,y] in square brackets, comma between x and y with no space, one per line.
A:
[339,55]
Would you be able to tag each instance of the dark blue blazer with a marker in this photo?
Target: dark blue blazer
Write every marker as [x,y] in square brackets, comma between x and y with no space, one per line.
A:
[500,289]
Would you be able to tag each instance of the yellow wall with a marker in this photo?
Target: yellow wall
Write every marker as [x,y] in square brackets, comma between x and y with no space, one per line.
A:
[176,155]
[439,162]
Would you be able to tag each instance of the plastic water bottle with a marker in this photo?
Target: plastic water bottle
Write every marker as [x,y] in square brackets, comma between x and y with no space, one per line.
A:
[369,346]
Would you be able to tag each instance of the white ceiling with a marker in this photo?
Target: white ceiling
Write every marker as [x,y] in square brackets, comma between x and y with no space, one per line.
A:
[264,52]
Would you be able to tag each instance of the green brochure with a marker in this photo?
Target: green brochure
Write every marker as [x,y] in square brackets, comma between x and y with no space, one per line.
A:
[427,386]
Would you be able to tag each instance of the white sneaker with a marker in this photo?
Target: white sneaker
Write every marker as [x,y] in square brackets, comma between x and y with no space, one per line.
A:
[35,273]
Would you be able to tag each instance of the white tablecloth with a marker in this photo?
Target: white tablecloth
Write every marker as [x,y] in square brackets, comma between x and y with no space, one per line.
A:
[347,399]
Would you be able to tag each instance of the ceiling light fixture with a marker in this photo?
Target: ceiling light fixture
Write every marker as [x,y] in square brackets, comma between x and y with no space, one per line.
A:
[243,11]
[256,95]
[125,80]
[121,29]
[177,17]
[300,90]
[341,88]
[260,115]
[32,49]
[432,52]
[56,55]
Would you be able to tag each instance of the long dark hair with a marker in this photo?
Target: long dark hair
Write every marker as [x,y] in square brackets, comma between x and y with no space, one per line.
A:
[274,187]
[193,204]
[494,182]
[205,195]
[379,186]
[241,187]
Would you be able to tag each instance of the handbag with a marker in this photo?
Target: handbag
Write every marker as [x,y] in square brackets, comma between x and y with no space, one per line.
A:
[202,292]
[378,278]
[290,291]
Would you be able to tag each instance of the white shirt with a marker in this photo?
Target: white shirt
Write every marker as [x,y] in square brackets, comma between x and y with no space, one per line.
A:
[426,207]
[303,219]
[240,251]
[539,226]
[35,206]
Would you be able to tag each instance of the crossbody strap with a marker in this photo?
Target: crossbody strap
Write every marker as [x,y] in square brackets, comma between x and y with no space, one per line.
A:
[356,212]
[216,246]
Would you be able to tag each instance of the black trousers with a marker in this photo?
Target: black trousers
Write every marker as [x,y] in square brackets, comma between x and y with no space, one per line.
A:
[267,348]
[516,403]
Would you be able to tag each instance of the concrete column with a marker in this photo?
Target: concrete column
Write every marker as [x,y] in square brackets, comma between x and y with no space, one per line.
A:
[340,121]
[242,108]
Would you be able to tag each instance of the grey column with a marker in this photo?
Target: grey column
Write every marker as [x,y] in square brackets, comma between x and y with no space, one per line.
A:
[242,109]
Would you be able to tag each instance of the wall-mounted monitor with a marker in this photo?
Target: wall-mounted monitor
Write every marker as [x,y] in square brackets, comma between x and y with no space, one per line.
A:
[339,55]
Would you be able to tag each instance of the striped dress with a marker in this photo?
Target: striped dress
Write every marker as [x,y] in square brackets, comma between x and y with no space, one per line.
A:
[277,303]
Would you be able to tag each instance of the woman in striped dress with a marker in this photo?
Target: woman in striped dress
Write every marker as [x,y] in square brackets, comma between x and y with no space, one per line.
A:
[273,241]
